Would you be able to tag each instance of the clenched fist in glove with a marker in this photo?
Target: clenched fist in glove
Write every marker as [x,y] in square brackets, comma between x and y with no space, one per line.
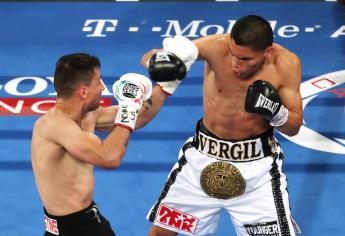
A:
[263,99]
[170,65]
[183,48]
[130,91]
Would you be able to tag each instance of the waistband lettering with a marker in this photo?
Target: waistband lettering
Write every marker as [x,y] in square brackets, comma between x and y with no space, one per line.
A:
[223,150]
[238,154]
[202,142]
[212,146]
[238,151]
[254,155]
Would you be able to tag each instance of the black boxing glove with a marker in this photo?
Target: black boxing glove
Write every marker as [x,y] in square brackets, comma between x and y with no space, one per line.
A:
[263,99]
[165,66]
[167,70]
[169,66]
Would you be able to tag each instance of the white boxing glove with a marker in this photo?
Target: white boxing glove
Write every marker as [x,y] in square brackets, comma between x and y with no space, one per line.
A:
[169,87]
[130,91]
[183,48]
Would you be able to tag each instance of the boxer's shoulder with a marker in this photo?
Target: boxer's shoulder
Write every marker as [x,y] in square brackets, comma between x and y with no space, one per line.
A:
[213,47]
[284,57]
[216,40]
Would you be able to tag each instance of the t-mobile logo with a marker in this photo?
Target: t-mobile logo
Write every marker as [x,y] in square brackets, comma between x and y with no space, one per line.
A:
[98,27]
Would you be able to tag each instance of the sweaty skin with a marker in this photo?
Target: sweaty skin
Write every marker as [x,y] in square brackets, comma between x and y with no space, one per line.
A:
[229,70]
[65,149]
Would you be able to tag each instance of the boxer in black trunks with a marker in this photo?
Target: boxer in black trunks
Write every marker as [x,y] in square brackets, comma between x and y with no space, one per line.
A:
[87,222]
[65,148]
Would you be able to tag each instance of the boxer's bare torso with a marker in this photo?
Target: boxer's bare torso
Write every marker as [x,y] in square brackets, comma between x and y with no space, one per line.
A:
[65,183]
[227,75]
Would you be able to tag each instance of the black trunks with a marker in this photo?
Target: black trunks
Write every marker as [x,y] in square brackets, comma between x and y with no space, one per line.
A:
[87,222]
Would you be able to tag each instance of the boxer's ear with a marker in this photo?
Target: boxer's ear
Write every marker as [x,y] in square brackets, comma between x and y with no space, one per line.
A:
[83,92]
[269,51]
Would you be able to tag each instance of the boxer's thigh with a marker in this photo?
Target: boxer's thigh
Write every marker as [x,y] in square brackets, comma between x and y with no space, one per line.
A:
[183,206]
[266,209]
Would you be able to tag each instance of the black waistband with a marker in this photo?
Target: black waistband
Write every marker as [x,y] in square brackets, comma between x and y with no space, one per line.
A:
[88,213]
[248,149]
[200,126]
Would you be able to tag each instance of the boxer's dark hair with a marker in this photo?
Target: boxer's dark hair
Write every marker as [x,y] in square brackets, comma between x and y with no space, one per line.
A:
[73,70]
[252,31]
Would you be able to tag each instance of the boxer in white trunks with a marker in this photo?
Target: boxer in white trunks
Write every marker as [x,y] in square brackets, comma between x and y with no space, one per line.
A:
[234,162]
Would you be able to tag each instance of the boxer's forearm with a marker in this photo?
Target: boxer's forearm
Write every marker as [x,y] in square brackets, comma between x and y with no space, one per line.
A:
[151,108]
[292,125]
[146,57]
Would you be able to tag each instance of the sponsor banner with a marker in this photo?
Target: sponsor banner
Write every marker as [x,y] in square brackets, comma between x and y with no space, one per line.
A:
[34,95]
[35,86]
[32,106]
[111,32]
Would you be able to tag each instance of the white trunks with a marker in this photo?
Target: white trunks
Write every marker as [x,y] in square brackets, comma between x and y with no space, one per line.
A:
[244,177]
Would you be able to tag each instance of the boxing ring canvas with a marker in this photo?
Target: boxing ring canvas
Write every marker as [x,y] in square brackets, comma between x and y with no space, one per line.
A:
[35,35]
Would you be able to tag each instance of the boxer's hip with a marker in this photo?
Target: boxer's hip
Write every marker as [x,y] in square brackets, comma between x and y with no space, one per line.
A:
[229,168]
[84,222]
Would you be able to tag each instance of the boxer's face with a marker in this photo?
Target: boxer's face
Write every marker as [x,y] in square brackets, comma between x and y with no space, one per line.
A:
[95,91]
[244,61]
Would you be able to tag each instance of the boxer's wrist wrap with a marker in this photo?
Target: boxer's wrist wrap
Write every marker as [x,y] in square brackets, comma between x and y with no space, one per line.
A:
[281,117]
[127,115]
[169,87]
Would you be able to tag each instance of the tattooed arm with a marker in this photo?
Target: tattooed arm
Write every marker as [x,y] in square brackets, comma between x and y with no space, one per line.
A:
[151,107]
